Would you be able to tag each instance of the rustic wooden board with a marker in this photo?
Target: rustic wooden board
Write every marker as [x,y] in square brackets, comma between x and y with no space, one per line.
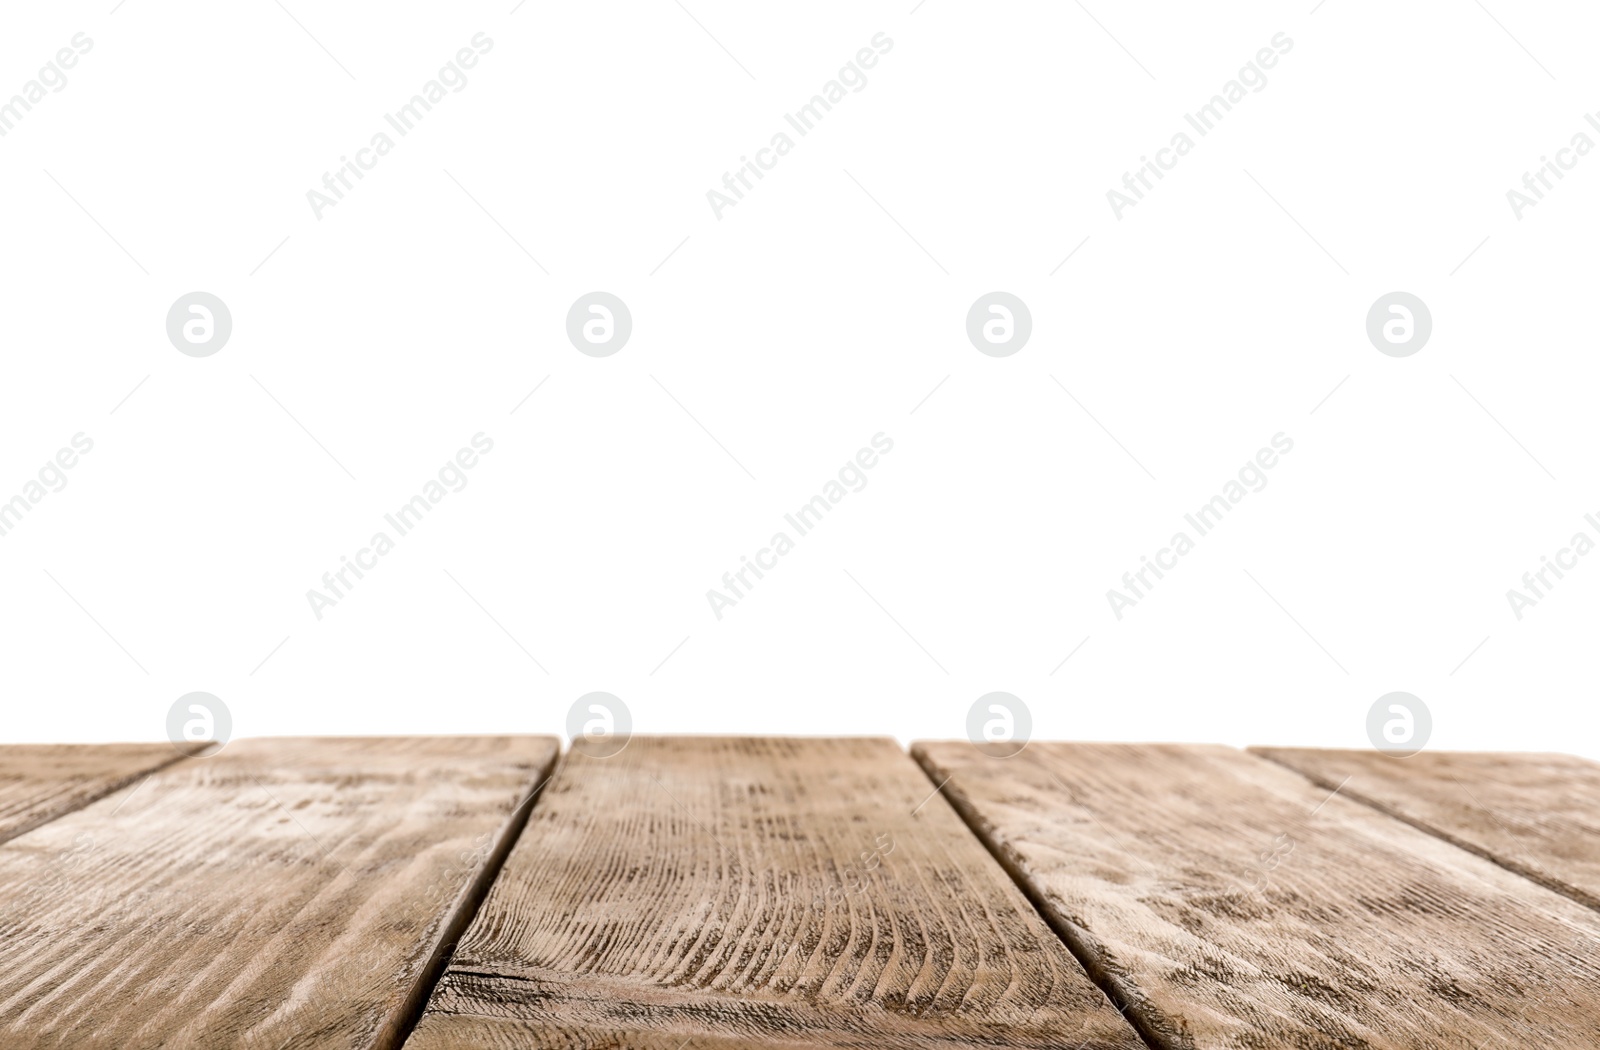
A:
[758,893]
[282,893]
[1538,815]
[1231,903]
[40,782]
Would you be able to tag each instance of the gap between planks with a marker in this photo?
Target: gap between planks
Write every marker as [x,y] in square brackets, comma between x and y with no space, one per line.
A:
[398,1028]
[394,1034]
[1526,871]
[941,950]
[1164,1005]
[64,803]
[445,802]
[1121,996]
[464,909]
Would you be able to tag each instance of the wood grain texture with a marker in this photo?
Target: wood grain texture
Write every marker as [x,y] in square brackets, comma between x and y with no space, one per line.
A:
[1231,903]
[282,893]
[1538,815]
[40,782]
[758,893]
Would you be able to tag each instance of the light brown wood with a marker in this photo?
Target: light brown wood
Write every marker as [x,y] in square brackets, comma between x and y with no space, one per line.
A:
[282,893]
[758,893]
[40,782]
[1231,903]
[1538,815]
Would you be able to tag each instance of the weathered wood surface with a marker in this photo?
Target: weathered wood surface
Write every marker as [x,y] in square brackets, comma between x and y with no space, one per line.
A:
[1538,815]
[282,893]
[758,893]
[1229,902]
[40,782]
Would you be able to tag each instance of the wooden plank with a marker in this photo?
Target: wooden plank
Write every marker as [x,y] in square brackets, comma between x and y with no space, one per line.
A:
[282,893]
[1538,815]
[40,782]
[758,893]
[1231,903]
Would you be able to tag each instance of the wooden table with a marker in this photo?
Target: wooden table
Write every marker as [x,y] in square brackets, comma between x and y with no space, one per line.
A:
[722,893]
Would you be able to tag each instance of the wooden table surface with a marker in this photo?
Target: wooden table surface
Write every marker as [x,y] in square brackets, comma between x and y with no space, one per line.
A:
[729,892]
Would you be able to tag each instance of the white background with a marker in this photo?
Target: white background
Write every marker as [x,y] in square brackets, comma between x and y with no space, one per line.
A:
[818,312]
